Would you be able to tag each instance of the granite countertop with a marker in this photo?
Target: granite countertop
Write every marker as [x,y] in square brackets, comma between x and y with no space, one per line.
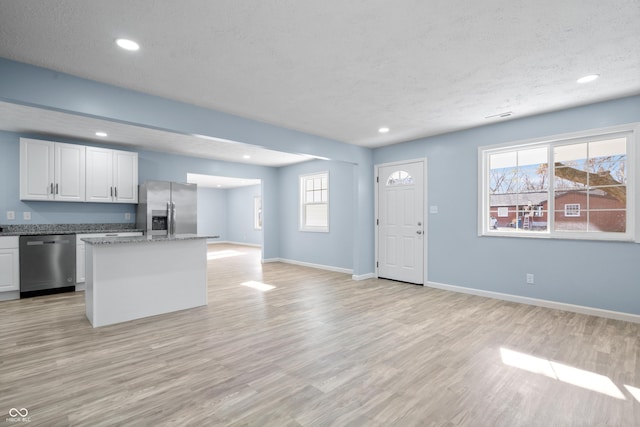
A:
[143,239]
[41,229]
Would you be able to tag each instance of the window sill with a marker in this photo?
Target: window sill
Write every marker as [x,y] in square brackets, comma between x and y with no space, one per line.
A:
[571,237]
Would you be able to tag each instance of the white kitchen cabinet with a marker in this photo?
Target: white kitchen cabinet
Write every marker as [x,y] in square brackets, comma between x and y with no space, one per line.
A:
[9,264]
[80,252]
[111,176]
[51,171]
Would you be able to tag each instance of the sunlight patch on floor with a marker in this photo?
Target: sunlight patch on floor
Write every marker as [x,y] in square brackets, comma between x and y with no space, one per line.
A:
[635,392]
[258,285]
[223,254]
[567,374]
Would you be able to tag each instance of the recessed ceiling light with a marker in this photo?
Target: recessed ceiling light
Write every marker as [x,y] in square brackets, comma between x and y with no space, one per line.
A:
[587,79]
[383,130]
[127,44]
[101,134]
[246,156]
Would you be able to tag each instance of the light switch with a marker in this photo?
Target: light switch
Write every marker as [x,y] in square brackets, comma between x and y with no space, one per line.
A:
[11,215]
[26,216]
[433,209]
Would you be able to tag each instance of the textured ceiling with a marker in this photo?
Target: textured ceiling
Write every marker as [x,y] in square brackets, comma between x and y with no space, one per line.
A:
[341,69]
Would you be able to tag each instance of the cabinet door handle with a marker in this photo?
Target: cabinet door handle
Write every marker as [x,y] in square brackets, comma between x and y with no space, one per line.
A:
[110,191]
[115,191]
[51,188]
[56,188]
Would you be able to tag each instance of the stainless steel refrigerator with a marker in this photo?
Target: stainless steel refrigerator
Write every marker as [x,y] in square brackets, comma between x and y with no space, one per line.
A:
[167,208]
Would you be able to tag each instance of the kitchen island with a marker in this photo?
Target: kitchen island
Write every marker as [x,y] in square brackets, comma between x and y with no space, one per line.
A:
[134,277]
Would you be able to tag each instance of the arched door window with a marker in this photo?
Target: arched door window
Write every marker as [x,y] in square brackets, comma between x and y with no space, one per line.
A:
[399,177]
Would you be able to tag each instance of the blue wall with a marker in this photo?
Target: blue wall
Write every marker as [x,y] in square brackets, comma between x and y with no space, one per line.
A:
[212,212]
[335,248]
[240,215]
[588,273]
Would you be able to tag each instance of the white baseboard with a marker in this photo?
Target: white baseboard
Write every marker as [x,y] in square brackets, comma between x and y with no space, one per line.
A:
[253,245]
[9,295]
[308,264]
[592,311]
[227,242]
[363,276]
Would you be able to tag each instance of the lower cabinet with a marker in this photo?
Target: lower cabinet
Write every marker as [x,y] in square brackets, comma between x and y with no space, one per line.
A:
[80,252]
[9,264]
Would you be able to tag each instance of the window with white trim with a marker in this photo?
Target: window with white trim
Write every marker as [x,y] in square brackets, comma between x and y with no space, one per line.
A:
[587,193]
[314,202]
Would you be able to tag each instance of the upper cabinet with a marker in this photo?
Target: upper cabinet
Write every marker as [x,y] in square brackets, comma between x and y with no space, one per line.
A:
[112,176]
[76,173]
[51,171]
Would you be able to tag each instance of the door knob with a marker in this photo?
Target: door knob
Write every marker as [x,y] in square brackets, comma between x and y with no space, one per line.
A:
[419,231]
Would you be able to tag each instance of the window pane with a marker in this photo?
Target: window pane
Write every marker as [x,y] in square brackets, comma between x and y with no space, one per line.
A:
[325,196]
[532,211]
[324,183]
[570,167]
[317,196]
[609,221]
[503,160]
[317,183]
[608,148]
[570,223]
[533,156]
[308,184]
[570,153]
[309,197]
[316,215]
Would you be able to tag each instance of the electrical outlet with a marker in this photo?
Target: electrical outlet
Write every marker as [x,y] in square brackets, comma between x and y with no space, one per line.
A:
[433,209]
[530,280]
[11,215]
[127,215]
[26,216]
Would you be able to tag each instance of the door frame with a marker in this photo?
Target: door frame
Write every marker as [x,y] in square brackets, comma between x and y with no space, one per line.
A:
[376,184]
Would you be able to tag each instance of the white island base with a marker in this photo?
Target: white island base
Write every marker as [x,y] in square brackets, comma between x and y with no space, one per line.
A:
[132,278]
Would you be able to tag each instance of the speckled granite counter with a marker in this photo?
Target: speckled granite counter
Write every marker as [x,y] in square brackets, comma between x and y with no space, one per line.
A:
[143,239]
[38,229]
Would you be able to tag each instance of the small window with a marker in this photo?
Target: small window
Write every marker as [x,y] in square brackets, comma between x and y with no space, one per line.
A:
[572,209]
[400,178]
[257,213]
[314,202]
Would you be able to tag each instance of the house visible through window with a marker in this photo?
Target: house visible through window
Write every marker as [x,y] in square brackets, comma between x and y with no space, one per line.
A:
[314,202]
[584,194]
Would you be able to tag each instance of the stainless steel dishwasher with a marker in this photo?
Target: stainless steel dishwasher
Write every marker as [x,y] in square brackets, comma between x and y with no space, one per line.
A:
[47,262]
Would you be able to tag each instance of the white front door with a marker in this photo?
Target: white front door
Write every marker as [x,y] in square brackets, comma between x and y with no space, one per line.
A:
[401,222]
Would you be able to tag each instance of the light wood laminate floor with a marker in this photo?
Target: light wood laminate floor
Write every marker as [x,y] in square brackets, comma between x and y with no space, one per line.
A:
[316,350]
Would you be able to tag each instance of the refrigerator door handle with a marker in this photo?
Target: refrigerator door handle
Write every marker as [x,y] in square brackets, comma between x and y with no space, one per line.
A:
[169,220]
[173,218]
